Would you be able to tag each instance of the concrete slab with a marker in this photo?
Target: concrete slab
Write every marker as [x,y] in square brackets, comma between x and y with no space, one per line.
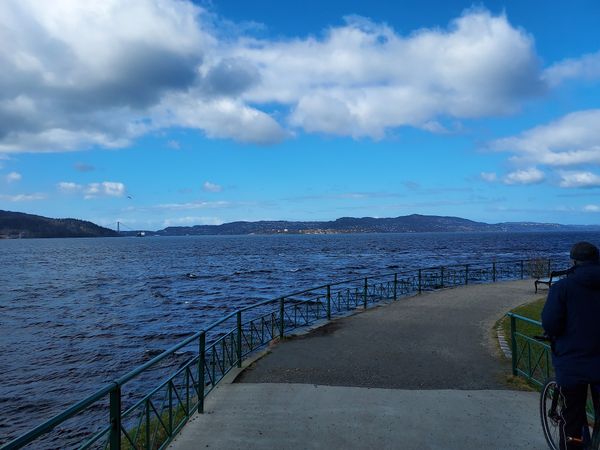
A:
[301,416]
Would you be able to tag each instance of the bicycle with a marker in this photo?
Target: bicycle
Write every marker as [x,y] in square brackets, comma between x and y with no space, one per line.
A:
[551,405]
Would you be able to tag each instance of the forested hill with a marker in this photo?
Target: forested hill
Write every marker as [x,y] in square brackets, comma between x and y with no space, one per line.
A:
[21,225]
[15,225]
[414,223]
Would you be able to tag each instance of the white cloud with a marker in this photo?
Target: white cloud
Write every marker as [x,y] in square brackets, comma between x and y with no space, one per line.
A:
[106,188]
[591,208]
[490,177]
[69,187]
[219,118]
[570,179]
[13,176]
[93,190]
[192,220]
[23,197]
[363,78]
[527,176]
[101,73]
[571,140]
[211,187]
[586,67]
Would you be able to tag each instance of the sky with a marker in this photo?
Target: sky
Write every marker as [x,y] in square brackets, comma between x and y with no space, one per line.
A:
[158,113]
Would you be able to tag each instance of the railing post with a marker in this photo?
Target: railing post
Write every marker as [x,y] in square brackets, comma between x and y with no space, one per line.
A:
[513,343]
[365,292]
[494,271]
[170,387]
[442,276]
[466,274]
[328,302]
[239,339]
[395,286]
[187,391]
[281,314]
[115,418]
[420,287]
[529,359]
[201,365]
[522,270]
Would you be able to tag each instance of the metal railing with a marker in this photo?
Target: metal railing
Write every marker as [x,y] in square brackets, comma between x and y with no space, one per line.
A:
[151,422]
[531,358]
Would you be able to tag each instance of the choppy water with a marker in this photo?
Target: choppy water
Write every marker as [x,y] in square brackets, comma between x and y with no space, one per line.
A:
[76,313]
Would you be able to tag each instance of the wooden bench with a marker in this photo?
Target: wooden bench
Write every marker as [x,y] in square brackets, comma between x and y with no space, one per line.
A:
[555,275]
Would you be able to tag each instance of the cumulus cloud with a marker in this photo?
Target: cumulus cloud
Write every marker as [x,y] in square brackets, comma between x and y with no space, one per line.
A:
[13,176]
[586,67]
[106,188]
[526,176]
[220,118]
[569,141]
[363,78]
[69,187]
[566,147]
[93,190]
[82,73]
[572,179]
[211,187]
[101,73]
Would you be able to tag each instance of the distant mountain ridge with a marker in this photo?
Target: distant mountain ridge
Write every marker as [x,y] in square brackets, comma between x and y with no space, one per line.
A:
[21,225]
[414,223]
[15,225]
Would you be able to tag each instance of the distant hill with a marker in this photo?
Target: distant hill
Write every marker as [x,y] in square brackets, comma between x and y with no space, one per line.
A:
[414,223]
[14,225]
[21,225]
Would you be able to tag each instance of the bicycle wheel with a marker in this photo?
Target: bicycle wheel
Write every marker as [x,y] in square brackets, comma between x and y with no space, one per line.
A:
[551,405]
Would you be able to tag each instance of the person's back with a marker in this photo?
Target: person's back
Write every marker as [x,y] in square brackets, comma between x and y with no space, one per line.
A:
[571,317]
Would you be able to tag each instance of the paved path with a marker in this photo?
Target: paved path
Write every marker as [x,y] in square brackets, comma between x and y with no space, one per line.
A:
[424,372]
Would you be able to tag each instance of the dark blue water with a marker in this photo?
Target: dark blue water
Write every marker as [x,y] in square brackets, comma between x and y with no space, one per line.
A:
[76,313]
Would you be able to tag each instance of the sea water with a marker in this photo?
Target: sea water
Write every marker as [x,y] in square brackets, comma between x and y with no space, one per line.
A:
[77,313]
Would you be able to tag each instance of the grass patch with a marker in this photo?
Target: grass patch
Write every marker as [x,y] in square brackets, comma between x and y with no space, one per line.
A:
[531,310]
[533,360]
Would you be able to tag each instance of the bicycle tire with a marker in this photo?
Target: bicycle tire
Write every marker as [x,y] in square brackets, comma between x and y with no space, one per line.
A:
[550,413]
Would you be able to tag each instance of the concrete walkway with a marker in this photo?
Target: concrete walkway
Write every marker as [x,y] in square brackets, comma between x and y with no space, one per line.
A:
[422,373]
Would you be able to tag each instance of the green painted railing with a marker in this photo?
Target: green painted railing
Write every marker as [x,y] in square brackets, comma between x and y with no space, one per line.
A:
[531,358]
[151,421]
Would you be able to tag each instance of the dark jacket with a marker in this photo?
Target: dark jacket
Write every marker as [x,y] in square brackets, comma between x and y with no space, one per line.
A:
[571,315]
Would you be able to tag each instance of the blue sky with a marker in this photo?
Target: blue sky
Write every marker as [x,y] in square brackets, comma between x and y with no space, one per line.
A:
[163,112]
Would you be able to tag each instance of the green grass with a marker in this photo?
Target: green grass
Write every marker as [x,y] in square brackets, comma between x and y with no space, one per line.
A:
[531,353]
[531,310]
[158,434]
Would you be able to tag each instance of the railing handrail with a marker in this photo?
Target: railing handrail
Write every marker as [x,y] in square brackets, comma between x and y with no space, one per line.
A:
[59,418]
[119,382]
[524,319]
